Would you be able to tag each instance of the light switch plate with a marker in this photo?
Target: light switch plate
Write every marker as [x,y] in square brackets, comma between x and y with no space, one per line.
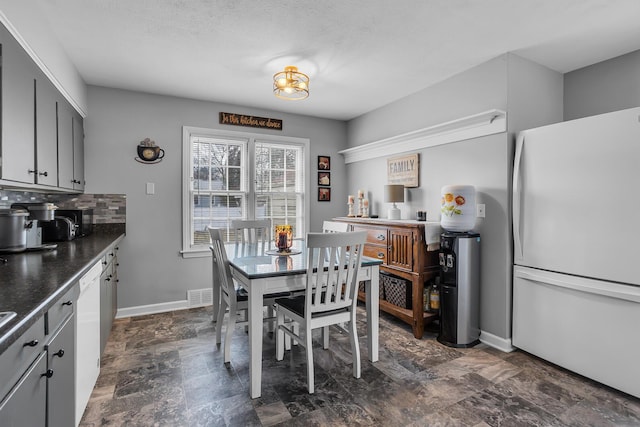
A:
[151,188]
[480,210]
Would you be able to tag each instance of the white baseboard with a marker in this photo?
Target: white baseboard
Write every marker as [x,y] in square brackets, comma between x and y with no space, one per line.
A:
[497,342]
[142,310]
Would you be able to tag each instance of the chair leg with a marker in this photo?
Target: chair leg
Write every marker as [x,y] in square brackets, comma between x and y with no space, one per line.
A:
[309,350]
[279,336]
[231,326]
[355,347]
[270,314]
[325,337]
[221,311]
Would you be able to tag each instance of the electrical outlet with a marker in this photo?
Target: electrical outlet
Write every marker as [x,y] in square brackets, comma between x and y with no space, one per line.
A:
[480,210]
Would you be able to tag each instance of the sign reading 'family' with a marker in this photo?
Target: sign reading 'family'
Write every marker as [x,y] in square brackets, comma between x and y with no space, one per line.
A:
[403,170]
[251,121]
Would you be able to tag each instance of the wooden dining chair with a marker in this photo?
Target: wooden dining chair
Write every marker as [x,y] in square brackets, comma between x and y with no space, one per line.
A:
[330,296]
[234,298]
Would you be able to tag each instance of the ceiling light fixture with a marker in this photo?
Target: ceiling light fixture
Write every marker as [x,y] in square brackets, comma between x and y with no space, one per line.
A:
[291,84]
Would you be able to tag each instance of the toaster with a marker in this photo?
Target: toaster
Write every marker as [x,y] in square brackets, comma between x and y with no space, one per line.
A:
[58,230]
[82,217]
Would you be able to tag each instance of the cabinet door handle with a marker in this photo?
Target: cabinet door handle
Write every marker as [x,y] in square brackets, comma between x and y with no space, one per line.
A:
[381,237]
[45,173]
[30,171]
[380,255]
[59,353]
[48,374]
[31,343]
[67,303]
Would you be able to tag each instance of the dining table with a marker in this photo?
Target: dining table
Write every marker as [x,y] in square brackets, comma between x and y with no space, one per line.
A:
[262,270]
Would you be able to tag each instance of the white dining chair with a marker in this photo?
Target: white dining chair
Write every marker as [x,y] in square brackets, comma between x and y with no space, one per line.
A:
[234,298]
[331,227]
[334,227]
[330,296]
[251,231]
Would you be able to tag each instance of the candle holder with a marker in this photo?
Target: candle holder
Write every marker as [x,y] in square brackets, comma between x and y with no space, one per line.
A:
[365,209]
[360,205]
[283,238]
[350,214]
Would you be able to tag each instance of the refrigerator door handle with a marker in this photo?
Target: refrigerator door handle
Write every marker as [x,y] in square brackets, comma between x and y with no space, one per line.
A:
[611,290]
[517,196]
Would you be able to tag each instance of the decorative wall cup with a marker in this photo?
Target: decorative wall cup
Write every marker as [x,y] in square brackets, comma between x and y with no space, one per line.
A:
[458,207]
[150,154]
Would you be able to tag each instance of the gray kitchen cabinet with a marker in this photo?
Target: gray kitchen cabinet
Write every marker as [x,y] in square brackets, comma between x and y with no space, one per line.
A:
[18,126]
[46,163]
[26,404]
[78,152]
[108,295]
[61,370]
[65,144]
[70,147]
[23,385]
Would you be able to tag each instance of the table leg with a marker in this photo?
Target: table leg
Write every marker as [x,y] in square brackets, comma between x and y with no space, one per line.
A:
[255,340]
[373,313]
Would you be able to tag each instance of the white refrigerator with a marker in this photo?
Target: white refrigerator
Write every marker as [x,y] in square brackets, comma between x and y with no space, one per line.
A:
[576,233]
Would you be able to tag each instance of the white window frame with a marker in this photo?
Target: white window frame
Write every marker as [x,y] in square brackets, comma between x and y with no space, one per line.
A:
[252,139]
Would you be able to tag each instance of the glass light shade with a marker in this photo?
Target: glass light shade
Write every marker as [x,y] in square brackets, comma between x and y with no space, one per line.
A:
[283,237]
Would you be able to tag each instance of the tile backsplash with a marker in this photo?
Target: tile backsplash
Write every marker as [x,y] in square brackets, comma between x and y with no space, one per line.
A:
[107,208]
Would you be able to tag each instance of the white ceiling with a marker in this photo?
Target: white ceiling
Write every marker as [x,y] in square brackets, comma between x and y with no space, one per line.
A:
[360,54]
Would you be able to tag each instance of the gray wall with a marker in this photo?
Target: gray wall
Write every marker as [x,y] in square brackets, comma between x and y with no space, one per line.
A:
[152,271]
[603,87]
[486,162]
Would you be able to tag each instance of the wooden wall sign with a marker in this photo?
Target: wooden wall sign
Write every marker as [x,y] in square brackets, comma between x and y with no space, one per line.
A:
[250,121]
[403,170]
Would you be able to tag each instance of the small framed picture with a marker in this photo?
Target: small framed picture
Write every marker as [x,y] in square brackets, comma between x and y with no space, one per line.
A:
[324,194]
[324,163]
[324,178]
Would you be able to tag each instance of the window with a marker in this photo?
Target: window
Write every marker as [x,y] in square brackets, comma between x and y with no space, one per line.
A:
[236,175]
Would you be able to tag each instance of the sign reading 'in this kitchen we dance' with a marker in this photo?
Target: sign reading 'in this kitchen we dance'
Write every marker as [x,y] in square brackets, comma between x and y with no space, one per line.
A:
[250,121]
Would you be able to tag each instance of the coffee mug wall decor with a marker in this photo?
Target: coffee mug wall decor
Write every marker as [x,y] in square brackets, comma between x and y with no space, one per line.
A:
[149,152]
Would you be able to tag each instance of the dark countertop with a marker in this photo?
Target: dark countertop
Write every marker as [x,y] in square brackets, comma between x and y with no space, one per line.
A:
[31,282]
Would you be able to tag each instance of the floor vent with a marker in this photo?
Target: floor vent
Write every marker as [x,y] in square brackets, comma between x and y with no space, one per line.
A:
[200,297]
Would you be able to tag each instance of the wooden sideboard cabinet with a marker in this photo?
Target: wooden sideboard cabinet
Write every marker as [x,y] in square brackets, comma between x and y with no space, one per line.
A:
[401,245]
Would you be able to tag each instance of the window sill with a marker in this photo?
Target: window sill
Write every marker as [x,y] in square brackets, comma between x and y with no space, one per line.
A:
[196,253]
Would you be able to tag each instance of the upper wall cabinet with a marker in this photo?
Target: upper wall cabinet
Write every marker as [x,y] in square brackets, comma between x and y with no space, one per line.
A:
[70,147]
[42,141]
[18,125]
[46,132]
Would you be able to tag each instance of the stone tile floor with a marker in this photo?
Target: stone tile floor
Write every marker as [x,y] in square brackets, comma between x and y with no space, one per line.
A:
[165,370]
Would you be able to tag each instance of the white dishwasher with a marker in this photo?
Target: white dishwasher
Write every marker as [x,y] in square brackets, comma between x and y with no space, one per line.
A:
[87,338]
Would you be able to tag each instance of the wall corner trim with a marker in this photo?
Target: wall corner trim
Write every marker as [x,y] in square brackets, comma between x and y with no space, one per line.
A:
[482,124]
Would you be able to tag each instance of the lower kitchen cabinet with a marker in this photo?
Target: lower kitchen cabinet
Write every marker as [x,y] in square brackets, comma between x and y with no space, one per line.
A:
[26,403]
[108,295]
[61,398]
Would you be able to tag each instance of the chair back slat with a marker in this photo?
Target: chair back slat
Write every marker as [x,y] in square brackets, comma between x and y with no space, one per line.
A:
[251,231]
[220,262]
[334,227]
[332,268]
